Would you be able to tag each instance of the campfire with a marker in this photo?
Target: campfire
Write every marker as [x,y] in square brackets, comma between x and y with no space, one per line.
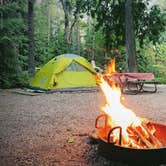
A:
[122,126]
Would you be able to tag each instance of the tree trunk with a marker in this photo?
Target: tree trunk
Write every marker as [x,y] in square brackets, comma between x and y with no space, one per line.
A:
[31,64]
[1,15]
[66,9]
[78,38]
[130,38]
[67,27]
[49,22]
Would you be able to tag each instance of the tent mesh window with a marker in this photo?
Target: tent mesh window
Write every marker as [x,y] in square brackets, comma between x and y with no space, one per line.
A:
[74,66]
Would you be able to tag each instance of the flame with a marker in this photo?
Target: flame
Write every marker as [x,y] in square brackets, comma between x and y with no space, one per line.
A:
[118,114]
[111,67]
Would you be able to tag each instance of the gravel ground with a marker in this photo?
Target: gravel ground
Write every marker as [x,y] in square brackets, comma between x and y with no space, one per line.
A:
[52,129]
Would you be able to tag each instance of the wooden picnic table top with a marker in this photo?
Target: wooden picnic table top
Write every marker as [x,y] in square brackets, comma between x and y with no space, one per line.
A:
[124,80]
[138,76]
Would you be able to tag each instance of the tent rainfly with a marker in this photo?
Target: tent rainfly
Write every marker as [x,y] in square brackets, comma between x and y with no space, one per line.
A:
[65,71]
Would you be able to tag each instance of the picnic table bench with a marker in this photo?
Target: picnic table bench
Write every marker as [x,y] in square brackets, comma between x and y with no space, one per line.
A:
[134,82]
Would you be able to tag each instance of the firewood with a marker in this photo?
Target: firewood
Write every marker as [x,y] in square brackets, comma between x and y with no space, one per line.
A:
[143,138]
[153,138]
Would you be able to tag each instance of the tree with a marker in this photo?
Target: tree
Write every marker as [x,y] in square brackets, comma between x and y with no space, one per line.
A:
[31,61]
[130,38]
[110,16]
[13,43]
[71,10]
[66,4]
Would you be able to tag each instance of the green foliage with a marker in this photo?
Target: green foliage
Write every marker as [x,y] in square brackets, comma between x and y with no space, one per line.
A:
[160,60]
[110,16]
[94,44]
[94,36]
[152,58]
[9,64]
[49,42]
[121,59]
[95,48]
[41,33]
[13,43]
[60,46]
[143,61]
[161,80]
[150,25]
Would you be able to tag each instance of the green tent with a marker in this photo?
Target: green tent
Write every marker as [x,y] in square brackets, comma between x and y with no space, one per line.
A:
[65,71]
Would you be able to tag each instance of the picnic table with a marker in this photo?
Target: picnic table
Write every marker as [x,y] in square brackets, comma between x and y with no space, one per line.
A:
[133,82]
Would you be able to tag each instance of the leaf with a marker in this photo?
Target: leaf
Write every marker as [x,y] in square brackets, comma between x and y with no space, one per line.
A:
[70,140]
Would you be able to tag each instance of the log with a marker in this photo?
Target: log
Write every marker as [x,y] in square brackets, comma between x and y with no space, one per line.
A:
[136,138]
[153,138]
[143,138]
[144,135]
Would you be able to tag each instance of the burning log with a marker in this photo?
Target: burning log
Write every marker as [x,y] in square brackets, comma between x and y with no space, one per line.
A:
[143,136]
[134,150]
[153,138]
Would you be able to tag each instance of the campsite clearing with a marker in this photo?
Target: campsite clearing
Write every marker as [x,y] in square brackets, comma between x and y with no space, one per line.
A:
[52,129]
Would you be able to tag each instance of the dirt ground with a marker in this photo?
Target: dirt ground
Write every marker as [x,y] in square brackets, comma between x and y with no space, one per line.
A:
[52,129]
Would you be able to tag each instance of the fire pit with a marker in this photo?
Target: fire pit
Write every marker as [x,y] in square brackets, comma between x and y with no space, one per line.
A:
[123,135]
[117,152]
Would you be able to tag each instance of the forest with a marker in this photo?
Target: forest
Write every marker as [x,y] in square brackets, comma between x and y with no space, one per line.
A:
[34,31]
